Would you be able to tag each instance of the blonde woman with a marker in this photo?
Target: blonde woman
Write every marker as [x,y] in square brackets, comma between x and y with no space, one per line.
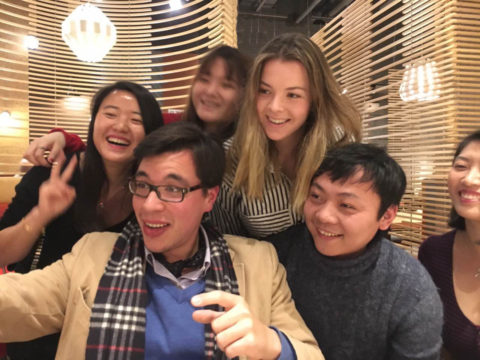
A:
[292,113]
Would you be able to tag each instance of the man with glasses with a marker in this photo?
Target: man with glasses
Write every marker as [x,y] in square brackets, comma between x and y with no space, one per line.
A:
[168,286]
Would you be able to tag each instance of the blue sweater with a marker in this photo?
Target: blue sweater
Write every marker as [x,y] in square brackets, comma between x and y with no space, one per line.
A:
[171,332]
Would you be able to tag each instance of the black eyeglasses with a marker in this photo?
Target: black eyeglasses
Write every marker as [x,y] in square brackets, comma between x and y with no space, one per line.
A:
[169,193]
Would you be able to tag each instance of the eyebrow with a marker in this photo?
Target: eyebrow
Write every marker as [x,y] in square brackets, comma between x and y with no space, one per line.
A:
[171,176]
[342,194]
[117,108]
[460,157]
[289,88]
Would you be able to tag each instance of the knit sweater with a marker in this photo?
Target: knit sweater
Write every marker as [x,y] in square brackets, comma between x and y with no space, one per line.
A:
[381,304]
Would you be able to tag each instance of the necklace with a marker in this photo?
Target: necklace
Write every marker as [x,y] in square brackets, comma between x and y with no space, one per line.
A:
[477,273]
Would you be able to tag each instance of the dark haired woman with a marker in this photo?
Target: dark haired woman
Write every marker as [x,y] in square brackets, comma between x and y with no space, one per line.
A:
[217,91]
[453,259]
[41,224]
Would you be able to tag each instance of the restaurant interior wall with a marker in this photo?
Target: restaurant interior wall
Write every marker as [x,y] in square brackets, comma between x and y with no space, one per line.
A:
[368,45]
[49,87]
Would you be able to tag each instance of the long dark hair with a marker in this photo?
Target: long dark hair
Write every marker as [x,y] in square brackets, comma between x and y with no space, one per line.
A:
[456,221]
[237,65]
[93,175]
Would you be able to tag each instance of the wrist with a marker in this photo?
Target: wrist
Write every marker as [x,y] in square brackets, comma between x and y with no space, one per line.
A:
[275,345]
[35,221]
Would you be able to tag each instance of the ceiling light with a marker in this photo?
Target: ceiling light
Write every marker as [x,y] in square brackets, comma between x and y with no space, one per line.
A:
[89,33]
[420,81]
[175,4]
[30,42]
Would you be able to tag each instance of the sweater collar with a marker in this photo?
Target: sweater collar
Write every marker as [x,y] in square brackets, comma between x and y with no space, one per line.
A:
[335,267]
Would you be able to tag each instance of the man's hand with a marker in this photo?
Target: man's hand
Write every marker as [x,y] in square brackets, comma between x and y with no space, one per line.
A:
[53,142]
[238,332]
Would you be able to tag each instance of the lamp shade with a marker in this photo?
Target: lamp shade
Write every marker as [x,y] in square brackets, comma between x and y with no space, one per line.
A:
[420,81]
[89,33]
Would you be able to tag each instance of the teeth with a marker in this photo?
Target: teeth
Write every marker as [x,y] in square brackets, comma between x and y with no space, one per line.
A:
[470,196]
[156,226]
[209,103]
[277,121]
[324,233]
[117,141]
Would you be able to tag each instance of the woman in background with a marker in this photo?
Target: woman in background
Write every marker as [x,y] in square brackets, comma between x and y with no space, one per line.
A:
[453,259]
[217,91]
[41,224]
[292,113]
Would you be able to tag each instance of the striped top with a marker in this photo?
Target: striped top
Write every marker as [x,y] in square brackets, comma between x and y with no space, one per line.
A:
[460,336]
[235,213]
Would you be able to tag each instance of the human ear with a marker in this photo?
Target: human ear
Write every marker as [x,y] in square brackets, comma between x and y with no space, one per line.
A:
[388,217]
[211,196]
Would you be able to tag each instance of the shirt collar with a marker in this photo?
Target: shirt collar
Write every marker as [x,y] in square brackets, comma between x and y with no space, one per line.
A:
[185,280]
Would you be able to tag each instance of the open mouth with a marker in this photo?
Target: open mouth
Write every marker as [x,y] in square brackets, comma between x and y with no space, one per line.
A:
[117,141]
[156,226]
[328,234]
[471,196]
[277,121]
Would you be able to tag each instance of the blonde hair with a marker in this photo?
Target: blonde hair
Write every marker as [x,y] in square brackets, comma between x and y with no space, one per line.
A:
[333,120]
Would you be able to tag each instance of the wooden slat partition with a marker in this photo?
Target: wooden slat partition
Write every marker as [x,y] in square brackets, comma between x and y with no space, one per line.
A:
[155,47]
[368,45]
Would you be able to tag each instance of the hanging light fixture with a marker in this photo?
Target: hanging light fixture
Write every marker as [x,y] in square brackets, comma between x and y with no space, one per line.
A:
[89,33]
[420,81]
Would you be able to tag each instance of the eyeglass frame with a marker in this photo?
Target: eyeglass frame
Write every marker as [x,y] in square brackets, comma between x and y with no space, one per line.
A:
[154,188]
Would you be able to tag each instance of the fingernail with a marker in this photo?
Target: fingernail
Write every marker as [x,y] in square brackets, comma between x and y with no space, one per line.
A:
[195,301]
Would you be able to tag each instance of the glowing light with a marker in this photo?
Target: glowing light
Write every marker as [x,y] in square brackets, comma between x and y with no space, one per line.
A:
[89,33]
[420,81]
[175,4]
[31,42]
[76,103]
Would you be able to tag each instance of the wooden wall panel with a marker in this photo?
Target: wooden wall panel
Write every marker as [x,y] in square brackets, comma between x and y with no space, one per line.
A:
[421,136]
[156,47]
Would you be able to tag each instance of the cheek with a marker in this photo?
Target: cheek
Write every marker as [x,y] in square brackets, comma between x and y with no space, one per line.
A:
[196,91]
[452,182]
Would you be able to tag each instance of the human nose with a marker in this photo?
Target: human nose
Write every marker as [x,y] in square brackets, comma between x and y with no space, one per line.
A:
[325,214]
[276,103]
[122,123]
[212,87]
[153,202]
[473,176]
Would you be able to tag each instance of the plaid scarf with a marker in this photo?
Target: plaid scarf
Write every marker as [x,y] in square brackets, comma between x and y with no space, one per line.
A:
[117,323]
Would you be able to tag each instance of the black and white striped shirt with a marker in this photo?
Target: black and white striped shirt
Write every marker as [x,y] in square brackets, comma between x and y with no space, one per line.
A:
[234,213]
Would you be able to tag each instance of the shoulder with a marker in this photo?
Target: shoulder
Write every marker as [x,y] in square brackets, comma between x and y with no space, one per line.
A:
[437,242]
[95,245]
[405,271]
[248,248]
[287,241]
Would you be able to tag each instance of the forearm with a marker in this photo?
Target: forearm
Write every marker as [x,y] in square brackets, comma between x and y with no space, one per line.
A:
[16,241]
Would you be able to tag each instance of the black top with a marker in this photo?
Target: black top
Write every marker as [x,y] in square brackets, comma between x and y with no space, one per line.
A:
[461,337]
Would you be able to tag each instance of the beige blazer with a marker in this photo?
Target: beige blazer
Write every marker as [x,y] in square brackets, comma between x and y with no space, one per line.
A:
[60,297]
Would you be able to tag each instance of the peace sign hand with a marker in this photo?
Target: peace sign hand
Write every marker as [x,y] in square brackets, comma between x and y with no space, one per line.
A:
[55,194]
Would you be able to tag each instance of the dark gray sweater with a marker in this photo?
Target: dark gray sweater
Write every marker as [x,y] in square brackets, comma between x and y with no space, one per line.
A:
[379,305]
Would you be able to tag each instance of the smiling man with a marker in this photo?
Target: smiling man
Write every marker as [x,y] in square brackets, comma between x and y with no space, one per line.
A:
[362,297]
[167,287]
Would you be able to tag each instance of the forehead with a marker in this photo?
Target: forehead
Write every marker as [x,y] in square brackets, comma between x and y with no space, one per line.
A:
[216,66]
[288,73]
[352,186]
[177,165]
[472,149]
